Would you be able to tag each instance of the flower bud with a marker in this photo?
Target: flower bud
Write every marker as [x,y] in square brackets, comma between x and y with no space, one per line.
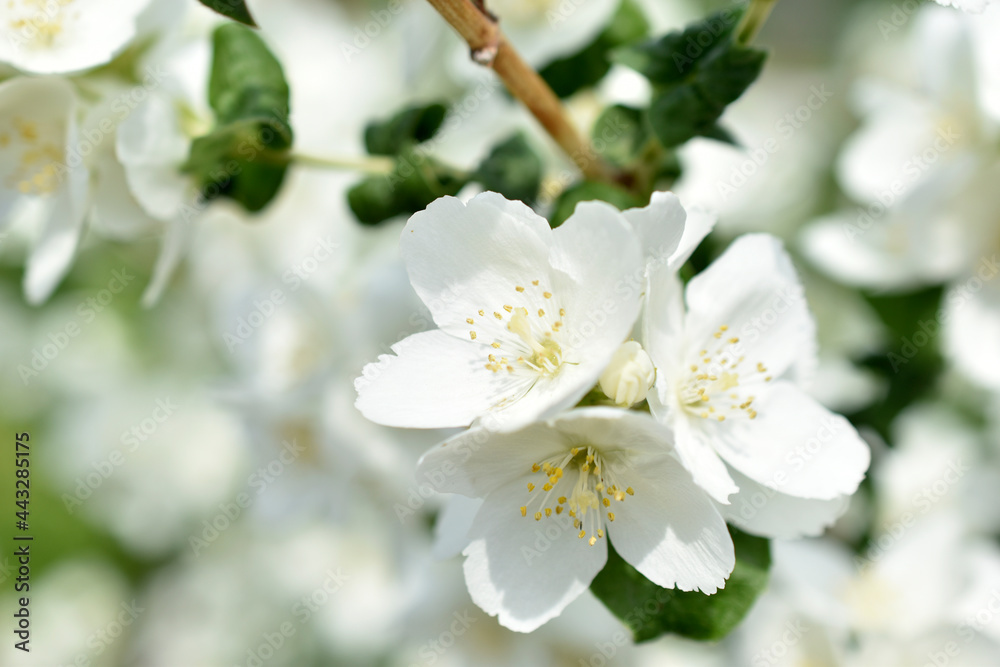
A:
[629,375]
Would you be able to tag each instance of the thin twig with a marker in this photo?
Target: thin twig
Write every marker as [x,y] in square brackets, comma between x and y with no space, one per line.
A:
[488,46]
[369,164]
[753,20]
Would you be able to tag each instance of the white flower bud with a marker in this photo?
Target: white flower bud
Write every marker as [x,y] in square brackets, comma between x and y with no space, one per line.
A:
[629,375]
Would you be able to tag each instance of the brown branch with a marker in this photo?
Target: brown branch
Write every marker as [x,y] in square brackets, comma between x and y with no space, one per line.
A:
[489,47]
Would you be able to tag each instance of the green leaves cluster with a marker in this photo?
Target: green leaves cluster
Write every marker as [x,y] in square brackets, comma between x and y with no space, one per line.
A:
[246,155]
[696,73]
[512,168]
[649,611]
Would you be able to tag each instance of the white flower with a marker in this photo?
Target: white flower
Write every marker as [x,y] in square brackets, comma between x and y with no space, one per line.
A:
[528,316]
[728,374]
[552,493]
[148,189]
[923,163]
[60,36]
[44,182]
[629,376]
[151,147]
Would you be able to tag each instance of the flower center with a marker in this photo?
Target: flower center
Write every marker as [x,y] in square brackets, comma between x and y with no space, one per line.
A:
[39,162]
[716,386]
[546,354]
[40,22]
[580,483]
[526,337]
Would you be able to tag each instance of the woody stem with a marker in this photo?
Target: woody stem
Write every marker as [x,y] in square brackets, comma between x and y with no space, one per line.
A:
[489,47]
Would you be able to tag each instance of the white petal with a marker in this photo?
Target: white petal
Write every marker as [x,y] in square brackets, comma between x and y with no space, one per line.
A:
[152,147]
[847,247]
[57,216]
[754,290]
[548,397]
[766,512]
[696,227]
[477,461]
[53,37]
[523,571]
[175,240]
[663,339]
[600,279]
[616,428]
[115,213]
[695,453]
[54,250]
[671,532]
[463,258]
[794,445]
[986,52]
[663,326]
[433,380]
[844,387]
[874,159]
[660,225]
[451,530]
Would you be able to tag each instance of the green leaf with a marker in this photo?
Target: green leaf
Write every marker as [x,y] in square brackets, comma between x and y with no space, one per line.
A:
[623,137]
[695,74]
[247,81]
[234,9]
[588,66]
[588,191]
[513,169]
[372,200]
[416,179]
[414,183]
[650,611]
[413,125]
[720,133]
[233,162]
[246,155]
[670,58]
[621,132]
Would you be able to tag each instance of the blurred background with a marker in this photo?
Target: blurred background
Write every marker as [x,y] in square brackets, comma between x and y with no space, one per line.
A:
[203,492]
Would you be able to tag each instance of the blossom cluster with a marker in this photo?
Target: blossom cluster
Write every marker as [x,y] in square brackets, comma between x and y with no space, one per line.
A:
[607,398]
[88,146]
